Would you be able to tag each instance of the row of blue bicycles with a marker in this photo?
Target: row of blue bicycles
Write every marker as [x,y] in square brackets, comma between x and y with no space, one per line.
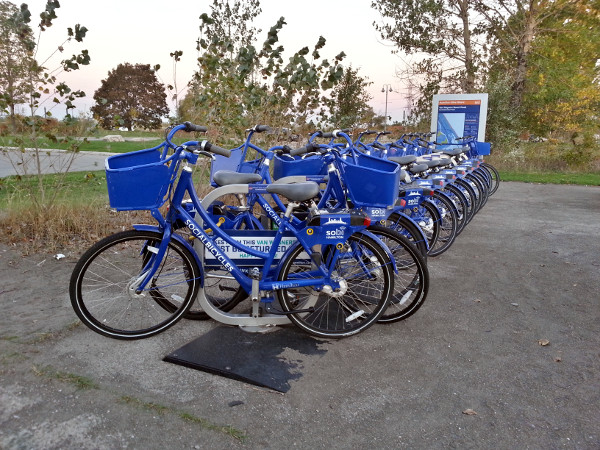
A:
[333,236]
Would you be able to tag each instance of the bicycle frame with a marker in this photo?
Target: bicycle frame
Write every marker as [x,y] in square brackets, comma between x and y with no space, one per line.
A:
[334,189]
[254,285]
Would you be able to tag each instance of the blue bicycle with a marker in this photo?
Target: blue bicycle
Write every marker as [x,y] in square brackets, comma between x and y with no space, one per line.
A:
[344,187]
[328,275]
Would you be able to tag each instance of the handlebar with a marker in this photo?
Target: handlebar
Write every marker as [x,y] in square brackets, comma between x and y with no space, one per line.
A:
[189,127]
[207,146]
[259,129]
[194,146]
[310,147]
[335,133]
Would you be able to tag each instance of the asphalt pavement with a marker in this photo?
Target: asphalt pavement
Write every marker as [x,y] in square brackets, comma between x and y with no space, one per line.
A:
[13,162]
[504,354]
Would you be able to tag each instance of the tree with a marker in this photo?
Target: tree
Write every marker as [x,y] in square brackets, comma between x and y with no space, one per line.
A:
[563,93]
[238,85]
[513,26]
[443,30]
[490,45]
[131,96]
[36,85]
[16,60]
[350,101]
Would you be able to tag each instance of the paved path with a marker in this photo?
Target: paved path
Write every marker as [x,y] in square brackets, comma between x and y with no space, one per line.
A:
[51,161]
[467,371]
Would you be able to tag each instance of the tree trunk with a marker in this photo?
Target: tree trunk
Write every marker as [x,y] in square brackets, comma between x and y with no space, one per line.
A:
[522,54]
[13,120]
[469,81]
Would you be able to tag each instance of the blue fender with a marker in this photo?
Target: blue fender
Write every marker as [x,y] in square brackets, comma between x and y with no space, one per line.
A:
[367,233]
[385,247]
[412,221]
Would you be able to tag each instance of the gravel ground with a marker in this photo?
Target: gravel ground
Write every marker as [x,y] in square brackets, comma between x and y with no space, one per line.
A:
[504,354]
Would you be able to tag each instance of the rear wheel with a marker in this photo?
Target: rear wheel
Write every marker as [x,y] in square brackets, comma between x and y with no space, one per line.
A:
[462,206]
[494,175]
[409,230]
[470,195]
[447,224]
[364,273]
[411,282]
[427,217]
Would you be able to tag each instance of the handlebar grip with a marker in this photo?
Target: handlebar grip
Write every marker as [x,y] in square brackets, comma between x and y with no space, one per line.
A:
[261,128]
[301,150]
[205,145]
[335,133]
[189,127]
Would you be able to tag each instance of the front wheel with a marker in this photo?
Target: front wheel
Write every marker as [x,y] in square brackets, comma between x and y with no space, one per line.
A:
[364,272]
[104,283]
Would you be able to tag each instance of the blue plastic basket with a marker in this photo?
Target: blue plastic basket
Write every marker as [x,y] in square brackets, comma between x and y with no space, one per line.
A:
[371,181]
[484,148]
[139,180]
[285,166]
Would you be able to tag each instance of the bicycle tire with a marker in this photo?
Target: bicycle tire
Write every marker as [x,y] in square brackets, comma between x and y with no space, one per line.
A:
[462,206]
[479,188]
[447,222]
[427,217]
[411,282]
[469,193]
[102,285]
[409,230]
[494,175]
[366,269]
[485,182]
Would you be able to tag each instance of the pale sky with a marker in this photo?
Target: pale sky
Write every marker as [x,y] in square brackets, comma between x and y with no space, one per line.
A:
[146,31]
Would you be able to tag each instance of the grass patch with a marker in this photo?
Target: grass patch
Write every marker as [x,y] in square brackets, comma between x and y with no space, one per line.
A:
[229,430]
[149,406]
[79,216]
[13,357]
[546,157]
[80,382]
[73,188]
[586,179]
[44,337]
[161,409]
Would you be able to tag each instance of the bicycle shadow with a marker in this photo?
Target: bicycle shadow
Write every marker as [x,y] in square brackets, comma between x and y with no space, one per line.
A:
[268,360]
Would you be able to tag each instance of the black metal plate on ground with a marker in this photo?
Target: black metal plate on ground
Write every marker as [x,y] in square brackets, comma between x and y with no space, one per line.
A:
[254,358]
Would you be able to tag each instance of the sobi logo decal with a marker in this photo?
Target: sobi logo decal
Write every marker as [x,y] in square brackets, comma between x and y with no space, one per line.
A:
[335,234]
[338,232]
